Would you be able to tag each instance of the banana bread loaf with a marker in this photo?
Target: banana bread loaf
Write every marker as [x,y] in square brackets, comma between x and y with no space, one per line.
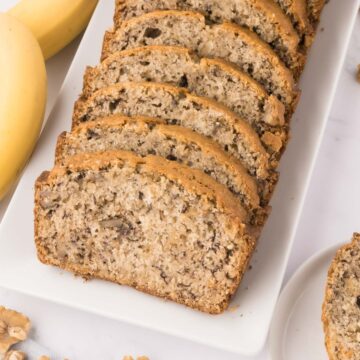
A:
[155,225]
[226,41]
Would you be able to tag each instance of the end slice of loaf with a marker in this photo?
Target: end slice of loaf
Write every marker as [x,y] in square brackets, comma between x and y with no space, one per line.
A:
[155,225]
[178,107]
[263,17]
[146,136]
[341,308]
[225,41]
[212,78]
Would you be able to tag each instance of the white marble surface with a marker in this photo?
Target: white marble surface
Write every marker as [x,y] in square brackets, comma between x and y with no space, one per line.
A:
[330,215]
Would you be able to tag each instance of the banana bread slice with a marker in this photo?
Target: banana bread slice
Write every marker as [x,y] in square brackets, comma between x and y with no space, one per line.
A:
[149,223]
[297,10]
[212,78]
[178,107]
[146,136]
[341,308]
[226,41]
[263,17]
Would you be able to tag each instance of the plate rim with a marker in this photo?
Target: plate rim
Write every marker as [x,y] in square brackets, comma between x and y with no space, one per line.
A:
[290,291]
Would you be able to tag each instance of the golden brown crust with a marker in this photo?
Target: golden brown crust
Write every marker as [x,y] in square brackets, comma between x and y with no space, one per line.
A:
[110,120]
[328,295]
[267,51]
[43,176]
[106,50]
[297,10]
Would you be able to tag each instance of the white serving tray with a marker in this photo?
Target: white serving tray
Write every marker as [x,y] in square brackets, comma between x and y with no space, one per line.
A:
[244,329]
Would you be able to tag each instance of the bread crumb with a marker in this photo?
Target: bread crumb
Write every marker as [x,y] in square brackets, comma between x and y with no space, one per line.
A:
[44,357]
[233,308]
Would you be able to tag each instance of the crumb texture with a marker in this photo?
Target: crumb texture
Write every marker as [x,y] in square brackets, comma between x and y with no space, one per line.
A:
[224,41]
[179,107]
[263,17]
[211,78]
[124,220]
[149,137]
[341,308]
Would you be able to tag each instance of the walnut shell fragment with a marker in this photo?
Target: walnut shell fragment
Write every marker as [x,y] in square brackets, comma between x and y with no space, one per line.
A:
[14,327]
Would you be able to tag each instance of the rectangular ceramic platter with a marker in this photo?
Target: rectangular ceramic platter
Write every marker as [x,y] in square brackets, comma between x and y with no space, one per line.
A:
[242,330]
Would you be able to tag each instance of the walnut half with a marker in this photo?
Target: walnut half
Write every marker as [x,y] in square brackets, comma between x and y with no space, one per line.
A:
[14,327]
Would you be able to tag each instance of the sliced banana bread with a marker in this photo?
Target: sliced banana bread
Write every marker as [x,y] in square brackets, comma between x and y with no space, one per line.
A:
[215,79]
[178,107]
[226,41]
[264,17]
[297,10]
[341,308]
[146,136]
[155,225]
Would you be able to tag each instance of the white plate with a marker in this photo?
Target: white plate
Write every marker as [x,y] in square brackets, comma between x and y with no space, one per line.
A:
[244,329]
[296,330]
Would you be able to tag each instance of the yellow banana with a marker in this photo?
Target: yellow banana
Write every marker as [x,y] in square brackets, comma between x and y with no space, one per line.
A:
[55,23]
[22,97]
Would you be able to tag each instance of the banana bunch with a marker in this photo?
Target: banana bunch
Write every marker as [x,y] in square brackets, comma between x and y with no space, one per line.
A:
[30,32]
[55,23]
[22,97]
